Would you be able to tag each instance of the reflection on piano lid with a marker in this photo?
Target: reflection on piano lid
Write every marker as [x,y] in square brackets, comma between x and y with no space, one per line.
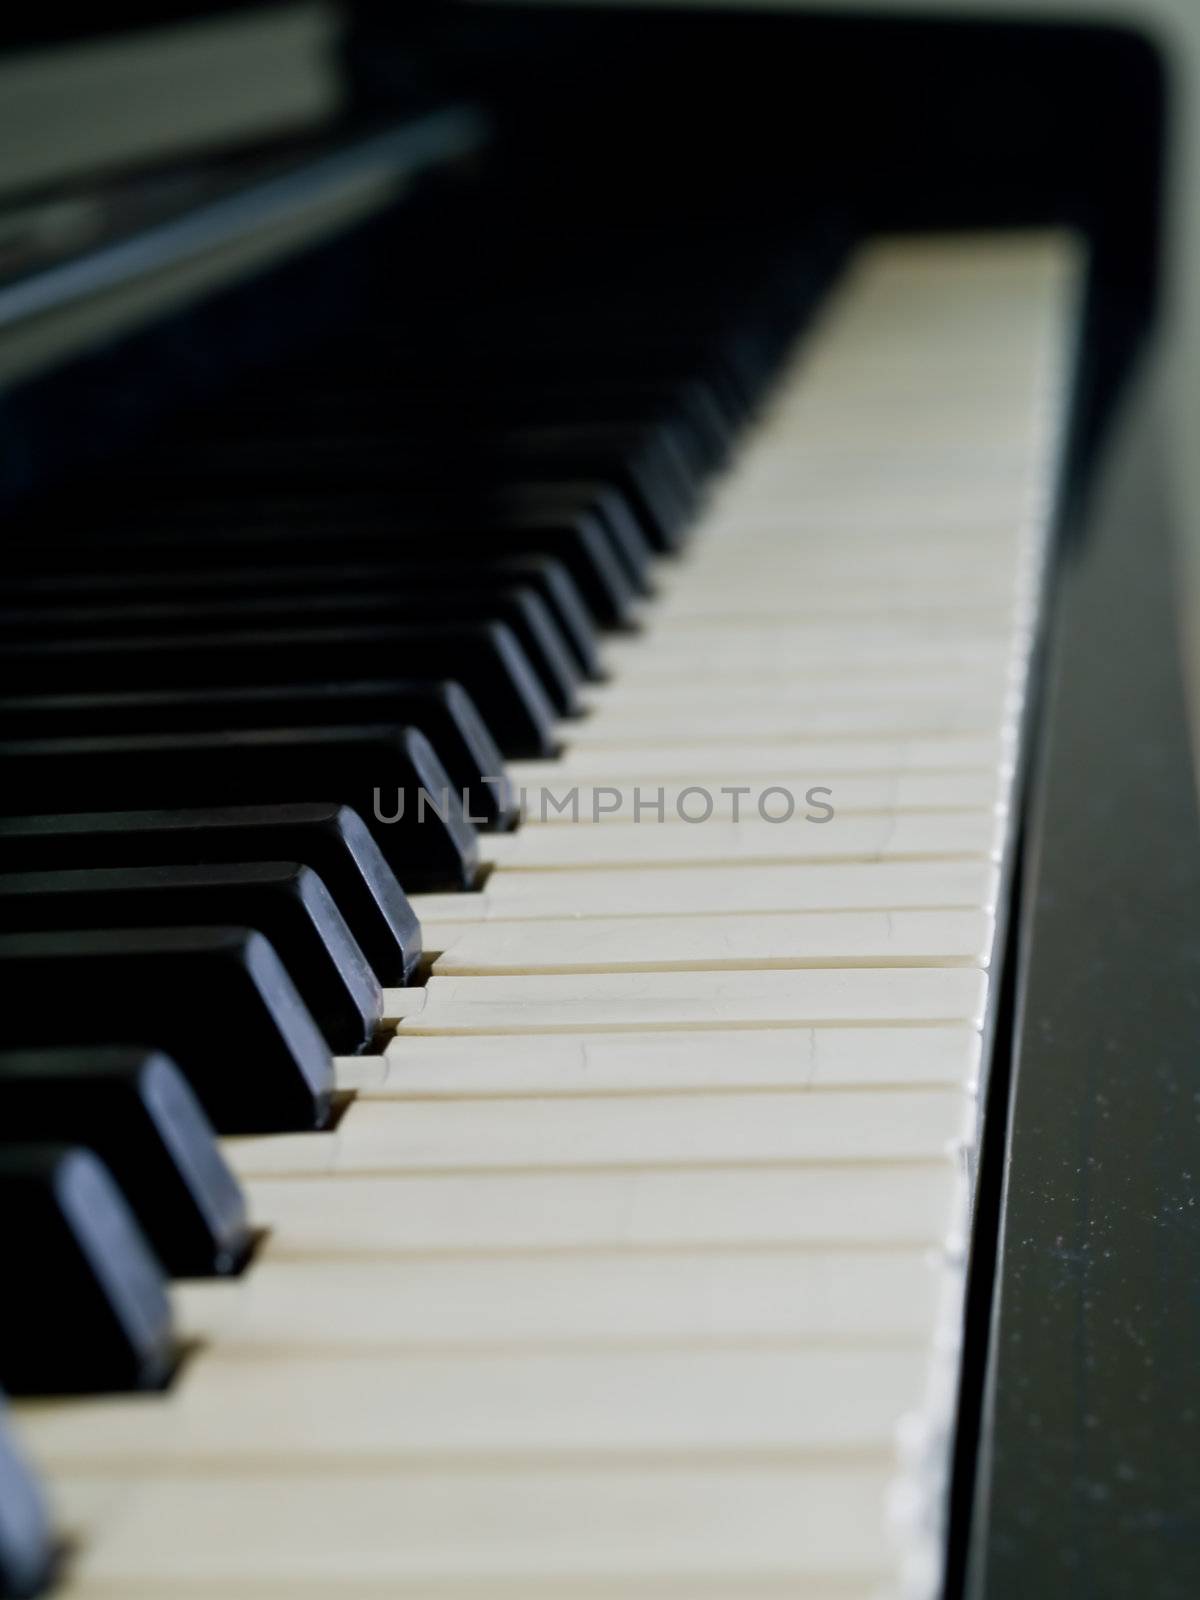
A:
[587,1012]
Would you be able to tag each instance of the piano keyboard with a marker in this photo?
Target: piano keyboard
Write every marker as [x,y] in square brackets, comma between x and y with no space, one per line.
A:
[631,1261]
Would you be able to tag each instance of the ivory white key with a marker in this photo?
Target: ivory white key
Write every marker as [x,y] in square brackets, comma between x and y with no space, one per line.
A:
[417,1213]
[862,1296]
[421,1065]
[668,1130]
[896,508]
[789,724]
[631,1001]
[563,803]
[747,760]
[362,1533]
[977,688]
[368,1409]
[731,653]
[795,603]
[943,632]
[934,564]
[819,580]
[919,836]
[629,892]
[707,944]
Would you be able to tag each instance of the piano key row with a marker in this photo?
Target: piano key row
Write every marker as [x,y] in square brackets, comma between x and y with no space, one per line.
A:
[551,1234]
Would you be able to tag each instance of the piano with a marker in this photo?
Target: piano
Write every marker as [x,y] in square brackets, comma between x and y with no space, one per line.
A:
[599,858]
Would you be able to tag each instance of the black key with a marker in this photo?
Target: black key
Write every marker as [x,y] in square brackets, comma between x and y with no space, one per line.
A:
[88,1308]
[444,713]
[632,464]
[658,357]
[640,463]
[283,900]
[381,772]
[547,577]
[519,609]
[332,839]
[286,529]
[603,503]
[134,1108]
[217,1000]
[26,1538]
[485,658]
[562,595]
[684,406]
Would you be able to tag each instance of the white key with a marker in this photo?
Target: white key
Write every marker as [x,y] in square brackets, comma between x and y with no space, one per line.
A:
[746,761]
[789,724]
[691,1000]
[772,652]
[362,1533]
[370,1410]
[862,1296]
[700,944]
[421,1065]
[633,1208]
[935,635]
[512,895]
[709,691]
[916,837]
[895,597]
[397,1136]
[563,804]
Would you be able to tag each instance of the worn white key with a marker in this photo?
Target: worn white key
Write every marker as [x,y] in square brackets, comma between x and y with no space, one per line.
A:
[669,1130]
[747,761]
[420,1065]
[986,557]
[700,944]
[934,635]
[862,1296]
[789,724]
[361,1533]
[709,691]
[927,836]
[772,651]
[632,1208]
[694,602]
[714,890]
[564,803]
[366,1409]
[632,1001]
